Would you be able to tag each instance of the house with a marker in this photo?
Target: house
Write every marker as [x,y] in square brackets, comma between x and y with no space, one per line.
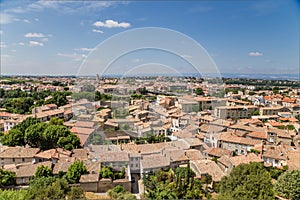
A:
[211,133]
[274,110]
[89,182]
[47,115]
[176,157]
[85,124]
[275,136]
[25,172]
[115,159]
[227,163]
[204,167]
[154,162]
[193,154]
[135,162]
[84,134]
[188,106]
[53,155]
[274,155]
[80,154]
[235,112]
[261,136]
[17,155]
[217,152]
[240,145]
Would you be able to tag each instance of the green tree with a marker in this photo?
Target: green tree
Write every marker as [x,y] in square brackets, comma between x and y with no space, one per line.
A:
[47,188]
[247,181]
[56,121]
[26,123]
[97,96]
[199,91]
[53,133]
[180,184]
[106,172]
[256,112]
[70,142]
[7,178]
[34,135]
[119,192]
[288,185]
[14,138]
[75,171]
[43,171]
[76,193]
[13,194]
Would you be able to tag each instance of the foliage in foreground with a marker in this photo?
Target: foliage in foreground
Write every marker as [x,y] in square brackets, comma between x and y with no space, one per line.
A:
[45,188]
[7,178]
[119,192]
[180,184]
[247,181]
[75,170]
[288,185]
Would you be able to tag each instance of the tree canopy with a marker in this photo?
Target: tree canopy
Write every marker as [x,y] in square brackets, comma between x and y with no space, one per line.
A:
[199,91]
[119,192]
[41,135]
[247,181]
[169,185]
[288,185]
[43,171]
[7,178]
[75,170]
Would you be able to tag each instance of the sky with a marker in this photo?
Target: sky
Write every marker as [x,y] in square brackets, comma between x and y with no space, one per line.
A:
[59,37]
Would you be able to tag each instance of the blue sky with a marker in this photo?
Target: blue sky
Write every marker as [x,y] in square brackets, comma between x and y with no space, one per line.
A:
[55,37]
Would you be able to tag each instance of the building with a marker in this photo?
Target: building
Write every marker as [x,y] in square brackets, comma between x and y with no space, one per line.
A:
[239,145]
[235,112]
[17,155]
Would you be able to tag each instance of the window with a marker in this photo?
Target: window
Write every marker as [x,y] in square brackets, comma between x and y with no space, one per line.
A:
[23,159]
[136,159]
[131,159]
[136,165]
[131,165]
[13,160]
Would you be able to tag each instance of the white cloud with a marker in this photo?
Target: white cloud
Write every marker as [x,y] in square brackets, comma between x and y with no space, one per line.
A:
[34,35]
[35,44]
[1,32]
[255,53]
[136,60]
[5,18]
[97,31]
[36,19]
[186,56]
[26,21]
[3,45]
[73,56]
[45,39]
[21,43]
[5,56]
[268,60]
[85,49]
[111,24]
